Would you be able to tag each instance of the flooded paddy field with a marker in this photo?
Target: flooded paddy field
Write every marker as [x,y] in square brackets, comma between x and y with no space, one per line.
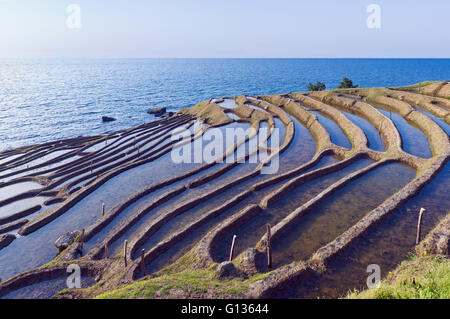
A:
[338,179]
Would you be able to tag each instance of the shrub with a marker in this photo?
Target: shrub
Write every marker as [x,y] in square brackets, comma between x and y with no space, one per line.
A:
[319,86]
[346,84]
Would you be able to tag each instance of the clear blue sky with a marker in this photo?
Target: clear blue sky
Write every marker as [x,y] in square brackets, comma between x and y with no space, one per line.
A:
[224,28]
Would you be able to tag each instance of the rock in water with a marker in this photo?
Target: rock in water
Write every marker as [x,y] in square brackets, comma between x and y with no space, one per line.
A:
[66,239]
[157,111]
[167,114]
[108,119]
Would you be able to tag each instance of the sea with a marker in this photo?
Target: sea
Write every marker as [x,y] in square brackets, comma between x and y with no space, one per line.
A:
[43,100]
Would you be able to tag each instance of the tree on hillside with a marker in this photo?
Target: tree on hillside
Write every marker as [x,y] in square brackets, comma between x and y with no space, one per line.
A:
[347,84]
[319,86]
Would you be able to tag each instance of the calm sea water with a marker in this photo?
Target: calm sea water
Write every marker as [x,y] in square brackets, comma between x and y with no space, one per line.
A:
[44,100]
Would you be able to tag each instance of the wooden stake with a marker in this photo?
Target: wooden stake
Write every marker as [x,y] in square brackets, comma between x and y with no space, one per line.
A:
[268,250]
[125,252]
[106,251]
[143,262]
[232,248]
[379,132]
[103,209]
[82,240]
[419,225]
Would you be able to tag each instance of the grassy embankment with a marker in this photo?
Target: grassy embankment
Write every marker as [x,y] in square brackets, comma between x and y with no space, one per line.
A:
[417,278]
[181,280]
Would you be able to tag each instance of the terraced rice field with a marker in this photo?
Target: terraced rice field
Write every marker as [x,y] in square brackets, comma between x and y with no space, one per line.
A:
[354,168]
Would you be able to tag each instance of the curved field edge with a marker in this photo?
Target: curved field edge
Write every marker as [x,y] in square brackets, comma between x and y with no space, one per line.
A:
[425,275]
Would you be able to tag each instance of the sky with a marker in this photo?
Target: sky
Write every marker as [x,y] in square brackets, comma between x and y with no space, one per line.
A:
[224,29]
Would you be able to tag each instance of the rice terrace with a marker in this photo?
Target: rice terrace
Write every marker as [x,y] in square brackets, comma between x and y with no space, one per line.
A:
[354,169]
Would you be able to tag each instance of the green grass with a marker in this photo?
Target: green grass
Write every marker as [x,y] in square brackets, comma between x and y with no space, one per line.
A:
[182,275]
[191,282]
[416,278]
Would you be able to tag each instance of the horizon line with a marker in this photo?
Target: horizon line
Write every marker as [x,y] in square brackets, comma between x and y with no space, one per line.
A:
[229,58]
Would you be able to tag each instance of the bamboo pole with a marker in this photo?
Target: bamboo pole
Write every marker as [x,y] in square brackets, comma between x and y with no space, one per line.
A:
[143,262]
[82,240]
[379,131]
[419,225]
[106,251]
[125,252]
[232,248]
[268,248]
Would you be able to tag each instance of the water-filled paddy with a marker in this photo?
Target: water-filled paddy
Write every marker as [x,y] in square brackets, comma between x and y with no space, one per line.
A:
[16,189]
[251,232]
[337,135]
[414,141]
[340,211]
[21,205]
[46,289]
[373,136]
[328,218]
[228,103]
[386,245]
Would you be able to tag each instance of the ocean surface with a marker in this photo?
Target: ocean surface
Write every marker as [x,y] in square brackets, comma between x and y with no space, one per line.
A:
[44,100]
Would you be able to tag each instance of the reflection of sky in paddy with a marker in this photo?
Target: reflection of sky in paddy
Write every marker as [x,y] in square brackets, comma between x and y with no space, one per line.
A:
[413,140]
[16,189]
[21,205]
